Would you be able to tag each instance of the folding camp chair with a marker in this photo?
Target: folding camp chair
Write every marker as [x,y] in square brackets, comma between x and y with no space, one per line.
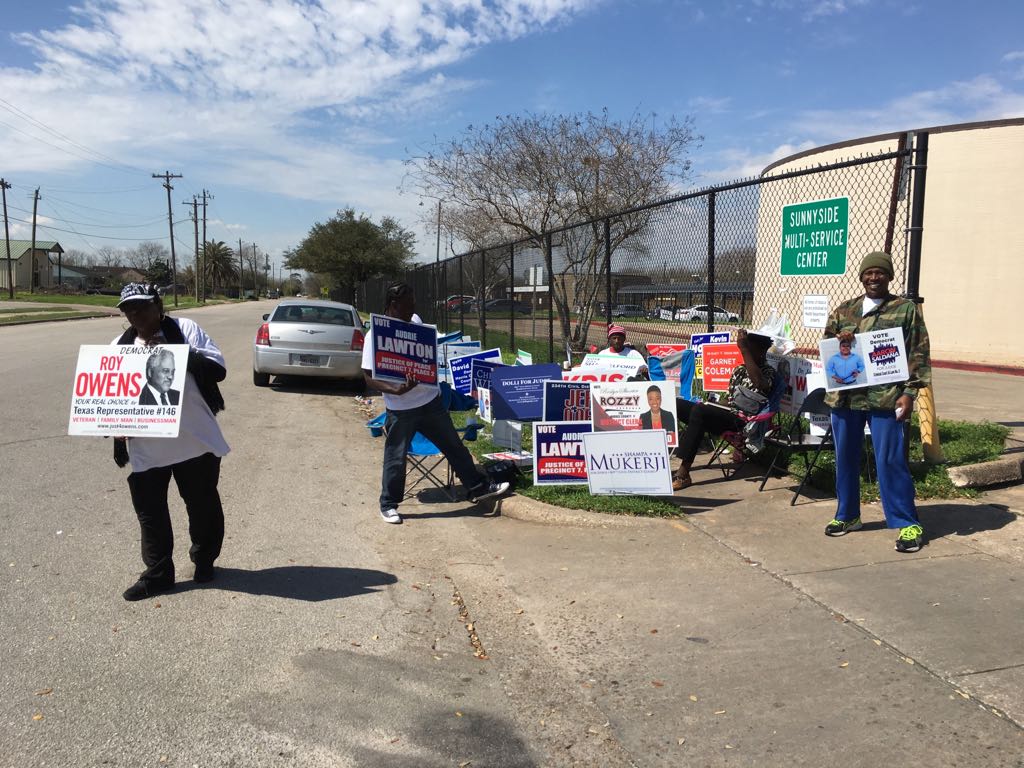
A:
[794,439]
[423,458]
[751,438]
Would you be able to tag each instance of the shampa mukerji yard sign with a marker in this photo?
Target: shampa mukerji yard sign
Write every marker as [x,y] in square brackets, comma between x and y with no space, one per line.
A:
[814,237]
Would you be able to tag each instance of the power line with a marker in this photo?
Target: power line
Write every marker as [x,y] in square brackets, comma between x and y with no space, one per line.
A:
[93,223]
[117,165]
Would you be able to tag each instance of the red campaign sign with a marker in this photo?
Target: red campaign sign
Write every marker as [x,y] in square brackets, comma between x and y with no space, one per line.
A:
[660,350]
[720,360]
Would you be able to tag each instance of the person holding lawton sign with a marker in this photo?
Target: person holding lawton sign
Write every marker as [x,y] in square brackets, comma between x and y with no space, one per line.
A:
[414,407]
[885,406]
[192,458]
[750,385]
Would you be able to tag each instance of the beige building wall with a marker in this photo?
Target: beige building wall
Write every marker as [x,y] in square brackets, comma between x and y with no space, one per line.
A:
[972,260]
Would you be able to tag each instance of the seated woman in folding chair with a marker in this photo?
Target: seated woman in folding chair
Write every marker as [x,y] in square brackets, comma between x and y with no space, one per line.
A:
[751,383]
[412,408]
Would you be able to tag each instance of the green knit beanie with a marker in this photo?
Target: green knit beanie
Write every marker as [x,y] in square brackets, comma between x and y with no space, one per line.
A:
[878,259]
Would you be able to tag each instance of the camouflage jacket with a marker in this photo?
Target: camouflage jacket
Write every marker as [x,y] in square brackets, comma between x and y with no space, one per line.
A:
[894,312]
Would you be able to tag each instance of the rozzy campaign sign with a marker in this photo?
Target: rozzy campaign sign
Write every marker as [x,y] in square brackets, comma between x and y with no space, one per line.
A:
[634,405]
[401,348]
[128,390]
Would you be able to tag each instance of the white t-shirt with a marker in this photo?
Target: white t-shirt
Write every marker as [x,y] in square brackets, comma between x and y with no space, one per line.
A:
[869,304]
[199,432]
[626,352]
[419,395]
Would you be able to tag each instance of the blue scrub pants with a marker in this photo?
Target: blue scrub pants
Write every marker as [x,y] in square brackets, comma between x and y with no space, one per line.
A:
[895,484]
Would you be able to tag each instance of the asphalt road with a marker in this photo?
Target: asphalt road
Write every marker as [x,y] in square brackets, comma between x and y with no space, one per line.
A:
[332,639]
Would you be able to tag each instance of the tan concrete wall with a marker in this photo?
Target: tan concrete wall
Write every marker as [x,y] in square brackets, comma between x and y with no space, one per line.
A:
[972,261]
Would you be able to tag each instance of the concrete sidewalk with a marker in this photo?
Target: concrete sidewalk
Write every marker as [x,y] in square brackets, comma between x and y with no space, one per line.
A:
[953,610]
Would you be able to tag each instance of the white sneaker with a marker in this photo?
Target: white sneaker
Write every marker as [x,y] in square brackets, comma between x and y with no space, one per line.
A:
[489,491]
[390,515]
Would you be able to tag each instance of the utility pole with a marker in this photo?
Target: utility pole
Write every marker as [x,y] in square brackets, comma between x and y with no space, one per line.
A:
[255,285]
[167,176]
[266,273]
[195,227]
[241,271]
[32,261]
[206,196]
[4,186]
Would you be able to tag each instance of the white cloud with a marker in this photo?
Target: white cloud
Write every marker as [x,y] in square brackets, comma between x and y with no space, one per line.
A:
[982,98]
[149,81]
[710,104]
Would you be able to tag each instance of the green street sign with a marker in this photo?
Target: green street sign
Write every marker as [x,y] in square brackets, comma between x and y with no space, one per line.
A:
[814,237]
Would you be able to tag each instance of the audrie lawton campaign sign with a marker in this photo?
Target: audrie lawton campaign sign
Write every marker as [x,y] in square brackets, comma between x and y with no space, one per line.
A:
[128,391]
[401,348]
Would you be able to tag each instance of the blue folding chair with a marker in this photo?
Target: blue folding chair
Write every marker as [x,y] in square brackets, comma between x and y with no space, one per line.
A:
[424,459]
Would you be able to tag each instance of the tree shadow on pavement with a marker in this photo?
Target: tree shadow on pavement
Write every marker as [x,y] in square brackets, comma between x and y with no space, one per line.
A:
[311,583]
[947,519]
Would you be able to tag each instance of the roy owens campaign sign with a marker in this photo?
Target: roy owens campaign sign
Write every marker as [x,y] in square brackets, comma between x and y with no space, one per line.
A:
[401,348]
[558,457]
[128,390]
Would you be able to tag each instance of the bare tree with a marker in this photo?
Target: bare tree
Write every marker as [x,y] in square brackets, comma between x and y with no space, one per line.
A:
[526,175]
[147,253]
[108,256]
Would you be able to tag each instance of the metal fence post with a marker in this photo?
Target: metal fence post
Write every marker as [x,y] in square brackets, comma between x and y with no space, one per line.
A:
[512,294]
[482,309]
[462,302]
[608,271]
[917,219]
[711,261]
[549,261]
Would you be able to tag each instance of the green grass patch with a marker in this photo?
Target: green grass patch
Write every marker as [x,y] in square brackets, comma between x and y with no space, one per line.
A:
[962,443]
[44,315]
[537,347]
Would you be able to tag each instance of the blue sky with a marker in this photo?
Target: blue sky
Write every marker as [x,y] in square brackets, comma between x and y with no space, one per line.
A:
[288,110]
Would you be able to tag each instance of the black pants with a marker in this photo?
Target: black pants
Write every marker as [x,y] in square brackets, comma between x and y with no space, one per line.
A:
[197,484]
[701,419]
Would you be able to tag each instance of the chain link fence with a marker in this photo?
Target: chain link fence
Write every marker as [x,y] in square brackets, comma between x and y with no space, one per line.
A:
[714,259]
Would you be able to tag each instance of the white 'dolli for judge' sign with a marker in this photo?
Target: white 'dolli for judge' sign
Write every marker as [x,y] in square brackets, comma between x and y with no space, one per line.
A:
[628,463]
[119,390]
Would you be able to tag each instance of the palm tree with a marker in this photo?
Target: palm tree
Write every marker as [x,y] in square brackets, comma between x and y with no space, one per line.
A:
[219,263]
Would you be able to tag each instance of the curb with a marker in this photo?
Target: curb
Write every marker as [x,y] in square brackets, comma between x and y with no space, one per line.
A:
[988,473]
[532,511]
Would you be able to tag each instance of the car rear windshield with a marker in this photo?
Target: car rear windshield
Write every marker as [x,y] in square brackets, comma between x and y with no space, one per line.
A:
[296,313]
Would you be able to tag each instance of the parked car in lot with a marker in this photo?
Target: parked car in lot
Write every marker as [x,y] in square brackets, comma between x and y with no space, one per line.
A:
[667,312]
[453,302]
[628,310]
[699,313]
[507,305]
[309,337]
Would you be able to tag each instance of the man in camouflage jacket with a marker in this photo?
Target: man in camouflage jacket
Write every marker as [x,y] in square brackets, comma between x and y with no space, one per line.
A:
[885,407]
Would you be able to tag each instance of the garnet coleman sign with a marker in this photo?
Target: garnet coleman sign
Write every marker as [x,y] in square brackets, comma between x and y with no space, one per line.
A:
[814,237]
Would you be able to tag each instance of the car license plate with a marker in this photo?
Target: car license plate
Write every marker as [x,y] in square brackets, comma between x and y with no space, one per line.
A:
[316,360]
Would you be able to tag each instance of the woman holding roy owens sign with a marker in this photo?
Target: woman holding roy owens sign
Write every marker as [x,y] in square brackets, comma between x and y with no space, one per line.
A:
[157,388]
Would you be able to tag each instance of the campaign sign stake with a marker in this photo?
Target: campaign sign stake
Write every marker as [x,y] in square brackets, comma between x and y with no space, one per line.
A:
[128,390]
[401,348]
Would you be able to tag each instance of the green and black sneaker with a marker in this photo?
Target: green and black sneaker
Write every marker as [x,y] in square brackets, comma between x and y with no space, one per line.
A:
[842,527]
[910,539]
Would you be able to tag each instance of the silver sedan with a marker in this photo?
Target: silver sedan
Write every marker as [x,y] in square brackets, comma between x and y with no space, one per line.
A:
[307,337]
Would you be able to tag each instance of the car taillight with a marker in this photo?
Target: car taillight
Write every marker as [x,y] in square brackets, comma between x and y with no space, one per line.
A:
[357,340]
[263,336]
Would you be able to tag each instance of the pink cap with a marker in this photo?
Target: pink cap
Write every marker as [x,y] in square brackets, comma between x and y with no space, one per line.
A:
[613,329]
